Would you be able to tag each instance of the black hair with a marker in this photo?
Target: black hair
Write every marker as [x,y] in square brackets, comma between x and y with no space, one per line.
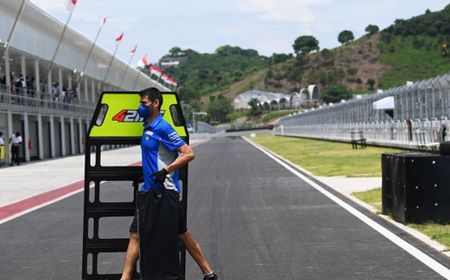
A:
[17,134]
[152,94]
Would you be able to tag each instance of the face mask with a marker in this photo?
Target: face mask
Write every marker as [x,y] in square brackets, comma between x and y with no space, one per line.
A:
[144,111]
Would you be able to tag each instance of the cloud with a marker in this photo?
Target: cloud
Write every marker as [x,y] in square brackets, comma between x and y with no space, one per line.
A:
[301,11]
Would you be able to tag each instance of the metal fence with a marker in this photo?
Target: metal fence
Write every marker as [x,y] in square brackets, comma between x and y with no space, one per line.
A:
[420,117]
[25,100]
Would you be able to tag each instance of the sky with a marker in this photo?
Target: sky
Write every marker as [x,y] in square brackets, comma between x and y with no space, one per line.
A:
[268,26]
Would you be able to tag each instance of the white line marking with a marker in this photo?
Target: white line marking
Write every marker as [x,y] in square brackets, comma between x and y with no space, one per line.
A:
[419,255]
[202,141]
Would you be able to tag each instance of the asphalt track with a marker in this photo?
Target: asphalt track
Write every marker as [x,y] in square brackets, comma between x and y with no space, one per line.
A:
[254,219]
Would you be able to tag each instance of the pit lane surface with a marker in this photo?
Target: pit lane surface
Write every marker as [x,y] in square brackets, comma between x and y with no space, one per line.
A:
[253,218]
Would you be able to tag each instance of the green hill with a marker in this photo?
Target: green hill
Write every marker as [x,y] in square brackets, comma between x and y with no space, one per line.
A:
[413,48]
[408,50]
[203,74]
[411,58]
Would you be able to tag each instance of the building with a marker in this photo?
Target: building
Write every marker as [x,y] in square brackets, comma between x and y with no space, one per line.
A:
[266,100]
[52,126]
[307,97]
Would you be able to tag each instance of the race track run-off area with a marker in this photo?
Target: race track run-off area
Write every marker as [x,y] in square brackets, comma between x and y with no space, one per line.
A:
[254,218]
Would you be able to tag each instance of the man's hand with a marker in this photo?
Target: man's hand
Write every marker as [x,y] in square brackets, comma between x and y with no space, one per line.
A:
[160,176]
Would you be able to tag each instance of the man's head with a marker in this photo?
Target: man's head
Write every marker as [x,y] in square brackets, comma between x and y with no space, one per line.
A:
[151,98]
[17,134]
[151,101]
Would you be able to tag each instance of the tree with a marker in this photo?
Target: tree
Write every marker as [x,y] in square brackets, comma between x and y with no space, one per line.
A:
[174,51]
[219,109]
[371,83]
[254,108]
[345,37]
[228,50]
[225,50]
[372,29]
[249,52]
[305,44]
[189,91]
[280,57]
[335,93]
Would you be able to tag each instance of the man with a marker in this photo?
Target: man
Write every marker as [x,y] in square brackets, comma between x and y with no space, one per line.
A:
[163,153]
[2,147]
[16,141]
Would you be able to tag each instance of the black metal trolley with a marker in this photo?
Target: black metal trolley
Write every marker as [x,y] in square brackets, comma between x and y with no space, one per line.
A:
[116,123]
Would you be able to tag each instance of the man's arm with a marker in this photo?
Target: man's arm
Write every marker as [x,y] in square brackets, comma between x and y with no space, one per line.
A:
[186,154]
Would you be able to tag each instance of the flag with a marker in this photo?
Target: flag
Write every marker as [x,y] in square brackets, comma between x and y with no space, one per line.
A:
[119,38]
[172,81]
[143,61]
[133,51]
[70,5]
[154,70]
[102,21]
[165,78]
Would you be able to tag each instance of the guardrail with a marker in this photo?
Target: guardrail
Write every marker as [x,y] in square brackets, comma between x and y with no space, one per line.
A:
[413,135]
[30,101]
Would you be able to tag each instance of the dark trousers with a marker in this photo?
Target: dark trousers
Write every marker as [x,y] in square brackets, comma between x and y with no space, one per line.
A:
[158,230]
[15,149]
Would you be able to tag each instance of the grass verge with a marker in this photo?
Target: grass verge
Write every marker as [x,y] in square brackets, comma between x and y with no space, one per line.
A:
[372,197]
[325,158]
[437,232]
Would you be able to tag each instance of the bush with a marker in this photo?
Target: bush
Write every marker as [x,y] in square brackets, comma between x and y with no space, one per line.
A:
[280,57]
[386,38]
[323,78]
[417,44]
[327,54]
[371,83]
[340,74]
[352,71]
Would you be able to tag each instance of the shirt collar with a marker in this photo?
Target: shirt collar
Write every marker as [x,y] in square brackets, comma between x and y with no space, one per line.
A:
[154,123]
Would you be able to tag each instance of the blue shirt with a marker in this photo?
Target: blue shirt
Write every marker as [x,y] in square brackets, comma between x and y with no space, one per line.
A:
[159,144]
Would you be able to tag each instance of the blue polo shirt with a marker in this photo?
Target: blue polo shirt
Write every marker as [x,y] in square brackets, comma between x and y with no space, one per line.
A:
[159,144]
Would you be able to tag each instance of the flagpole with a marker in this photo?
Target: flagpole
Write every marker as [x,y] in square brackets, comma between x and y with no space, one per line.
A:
[109,66]
[126,70]
[19,14]
[89,56]
[6,48]
[159,78]
[61,37]
[137,78]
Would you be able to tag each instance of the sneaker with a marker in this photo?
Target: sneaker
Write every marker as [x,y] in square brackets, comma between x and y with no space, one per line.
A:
[211,277]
